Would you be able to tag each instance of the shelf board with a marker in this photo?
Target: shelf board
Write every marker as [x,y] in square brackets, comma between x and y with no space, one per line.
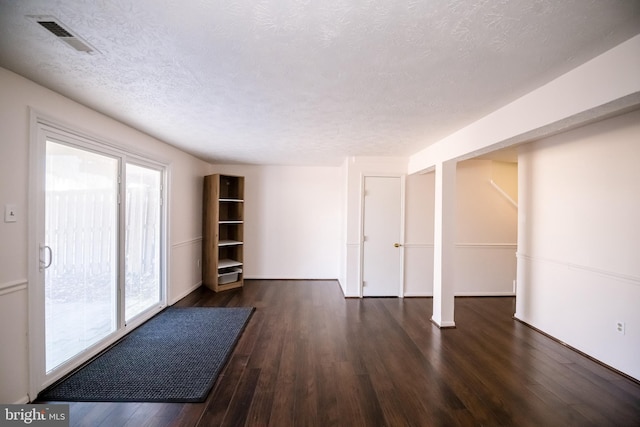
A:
[229,243]
[226,263]
[231,200]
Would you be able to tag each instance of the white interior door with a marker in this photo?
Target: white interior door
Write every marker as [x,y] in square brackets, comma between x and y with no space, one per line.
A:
[382,234]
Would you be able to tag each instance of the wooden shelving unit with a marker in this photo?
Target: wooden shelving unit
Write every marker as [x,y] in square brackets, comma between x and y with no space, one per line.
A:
[223,232]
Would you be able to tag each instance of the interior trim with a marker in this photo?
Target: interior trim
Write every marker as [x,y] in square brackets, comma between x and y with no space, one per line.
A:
[13,286]
[634,280]
[593,359]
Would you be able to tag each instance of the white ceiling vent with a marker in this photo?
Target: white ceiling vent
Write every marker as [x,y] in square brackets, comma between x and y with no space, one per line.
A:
[62,32]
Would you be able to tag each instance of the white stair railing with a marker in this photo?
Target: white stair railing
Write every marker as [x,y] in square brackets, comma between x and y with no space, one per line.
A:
[504,193]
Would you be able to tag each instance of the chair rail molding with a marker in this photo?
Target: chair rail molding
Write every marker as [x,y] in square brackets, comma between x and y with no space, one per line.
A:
[634,280]
[187,242]
[13,286]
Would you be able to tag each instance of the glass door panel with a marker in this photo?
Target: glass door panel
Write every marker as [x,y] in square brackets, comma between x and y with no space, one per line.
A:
[142,239]
[81,229]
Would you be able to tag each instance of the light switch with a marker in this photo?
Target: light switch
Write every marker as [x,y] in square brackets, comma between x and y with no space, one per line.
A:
[10,213]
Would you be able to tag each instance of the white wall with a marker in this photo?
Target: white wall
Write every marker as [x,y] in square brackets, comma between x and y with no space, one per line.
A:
[186,185]
[18,94]
[418,244]
[486,232]
[579,239]
[293,221]
[486,229]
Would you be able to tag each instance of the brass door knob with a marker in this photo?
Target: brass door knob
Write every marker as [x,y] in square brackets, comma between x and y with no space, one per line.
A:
[396,245]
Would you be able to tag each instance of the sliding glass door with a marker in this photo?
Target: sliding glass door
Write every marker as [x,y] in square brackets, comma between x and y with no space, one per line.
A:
[98,225]
[142,239]
[80,250]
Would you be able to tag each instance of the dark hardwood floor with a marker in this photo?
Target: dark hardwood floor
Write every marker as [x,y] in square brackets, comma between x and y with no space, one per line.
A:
[309,357]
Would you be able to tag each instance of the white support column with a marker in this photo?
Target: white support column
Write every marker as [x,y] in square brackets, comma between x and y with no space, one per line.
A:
[444,244]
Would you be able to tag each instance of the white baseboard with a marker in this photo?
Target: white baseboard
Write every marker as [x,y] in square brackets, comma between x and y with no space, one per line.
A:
[445,324]
[22,401]
[461,294]
[185,293]
[485,294]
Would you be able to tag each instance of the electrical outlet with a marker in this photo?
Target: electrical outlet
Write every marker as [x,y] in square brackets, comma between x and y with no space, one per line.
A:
[620,327]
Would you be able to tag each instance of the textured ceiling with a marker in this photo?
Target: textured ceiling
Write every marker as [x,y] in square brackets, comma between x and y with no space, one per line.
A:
[307,82]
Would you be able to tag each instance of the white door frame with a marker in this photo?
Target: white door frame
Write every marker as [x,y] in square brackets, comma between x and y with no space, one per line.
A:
[41,125]
[361,230]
